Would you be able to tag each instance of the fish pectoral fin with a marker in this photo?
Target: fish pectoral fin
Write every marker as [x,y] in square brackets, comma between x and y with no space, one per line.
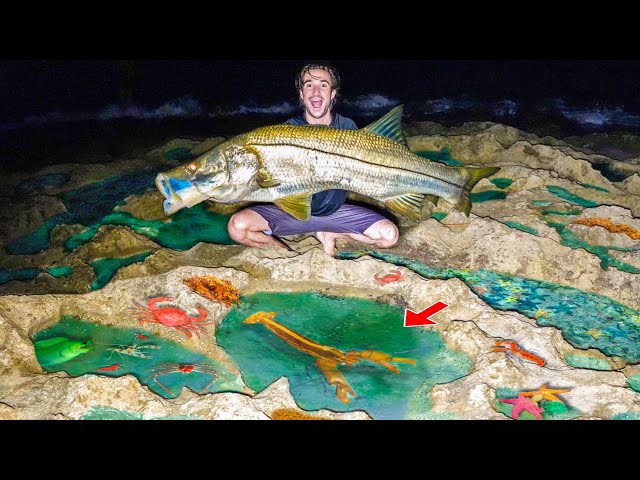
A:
[298,206]
[408,205]
[265,180]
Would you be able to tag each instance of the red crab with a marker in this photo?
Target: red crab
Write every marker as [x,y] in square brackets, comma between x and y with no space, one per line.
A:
[168,368]
[392,276]
[170,316]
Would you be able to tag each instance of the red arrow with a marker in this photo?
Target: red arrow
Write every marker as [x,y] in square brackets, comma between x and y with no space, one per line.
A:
[413,319]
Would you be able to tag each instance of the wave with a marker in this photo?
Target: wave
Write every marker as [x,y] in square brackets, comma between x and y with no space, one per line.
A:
[281,108]
[594,117]
[501,108]
[185,106]
[370,103]
[464,107]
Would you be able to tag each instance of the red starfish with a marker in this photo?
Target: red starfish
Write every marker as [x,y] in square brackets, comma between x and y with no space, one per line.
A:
[523,403]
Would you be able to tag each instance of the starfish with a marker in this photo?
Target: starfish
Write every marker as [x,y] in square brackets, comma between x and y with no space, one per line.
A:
[540,313]
[511,299]
[523,404]
[595,333]
[544,392]
[634,317]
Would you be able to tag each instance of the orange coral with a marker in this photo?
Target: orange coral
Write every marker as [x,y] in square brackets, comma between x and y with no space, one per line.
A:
[291,414]
[609,225]
[214,288]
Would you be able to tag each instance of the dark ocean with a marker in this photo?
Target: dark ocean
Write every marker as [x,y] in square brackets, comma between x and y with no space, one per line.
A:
[97,111]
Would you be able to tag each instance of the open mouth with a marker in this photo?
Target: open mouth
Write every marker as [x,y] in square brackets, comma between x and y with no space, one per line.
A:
[162,183]
[178,193]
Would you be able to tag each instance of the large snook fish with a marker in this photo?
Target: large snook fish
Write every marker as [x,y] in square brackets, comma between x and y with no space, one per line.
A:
[286,164]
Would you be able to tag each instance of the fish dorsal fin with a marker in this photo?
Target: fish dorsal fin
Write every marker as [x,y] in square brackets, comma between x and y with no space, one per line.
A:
[408,205]
[298,206]
[390,126]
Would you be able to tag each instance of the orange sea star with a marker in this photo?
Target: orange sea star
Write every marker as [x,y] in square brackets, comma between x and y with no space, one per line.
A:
[544,393]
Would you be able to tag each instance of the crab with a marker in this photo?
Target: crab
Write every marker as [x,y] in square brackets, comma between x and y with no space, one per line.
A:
[169,368]
[171,316]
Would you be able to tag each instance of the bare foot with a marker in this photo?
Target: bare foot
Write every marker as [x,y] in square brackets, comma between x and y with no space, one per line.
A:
[328,240]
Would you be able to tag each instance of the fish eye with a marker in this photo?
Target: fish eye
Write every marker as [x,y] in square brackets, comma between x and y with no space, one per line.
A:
[192,167]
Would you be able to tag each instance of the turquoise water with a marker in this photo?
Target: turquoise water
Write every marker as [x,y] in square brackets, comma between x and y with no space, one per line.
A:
[634,382]
[31,273]
[86,206]
[584,361]
[181,231]
[519,226]
[106,268]
[570,197]
[440,156]
[487,195]
[165,357]
[109,413]
[502,182]
[575,312]
[569,239]
[58,272]
[626,416]
[18,274]
[347,324]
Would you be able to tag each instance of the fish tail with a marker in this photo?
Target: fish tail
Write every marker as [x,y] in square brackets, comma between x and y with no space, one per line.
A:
[475,174]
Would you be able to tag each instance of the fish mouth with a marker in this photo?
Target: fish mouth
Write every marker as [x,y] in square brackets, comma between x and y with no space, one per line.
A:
[178,193]
[86,347]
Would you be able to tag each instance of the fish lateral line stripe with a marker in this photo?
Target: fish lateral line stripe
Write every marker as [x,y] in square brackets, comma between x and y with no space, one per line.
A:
[359,160]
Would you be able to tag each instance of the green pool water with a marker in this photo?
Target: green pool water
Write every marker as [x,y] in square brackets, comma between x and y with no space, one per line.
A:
[487,195]
[347,324]
[165,357]
[519,226]
[181,231]
[502,182]
[570,239]
[575,312]
[441,156]
[570,197]
[106,268]
[584,361]
[86,206]
[7,275]
[109,413]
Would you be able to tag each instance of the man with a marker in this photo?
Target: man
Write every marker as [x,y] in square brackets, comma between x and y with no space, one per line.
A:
[331,218]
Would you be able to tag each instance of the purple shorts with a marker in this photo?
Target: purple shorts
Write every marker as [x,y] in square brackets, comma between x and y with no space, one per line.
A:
[347,219]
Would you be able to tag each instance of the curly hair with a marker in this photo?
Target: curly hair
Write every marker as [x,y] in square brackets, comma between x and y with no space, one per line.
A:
[333,73]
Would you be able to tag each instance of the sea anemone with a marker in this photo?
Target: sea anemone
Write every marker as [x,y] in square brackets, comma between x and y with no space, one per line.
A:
[214,288]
